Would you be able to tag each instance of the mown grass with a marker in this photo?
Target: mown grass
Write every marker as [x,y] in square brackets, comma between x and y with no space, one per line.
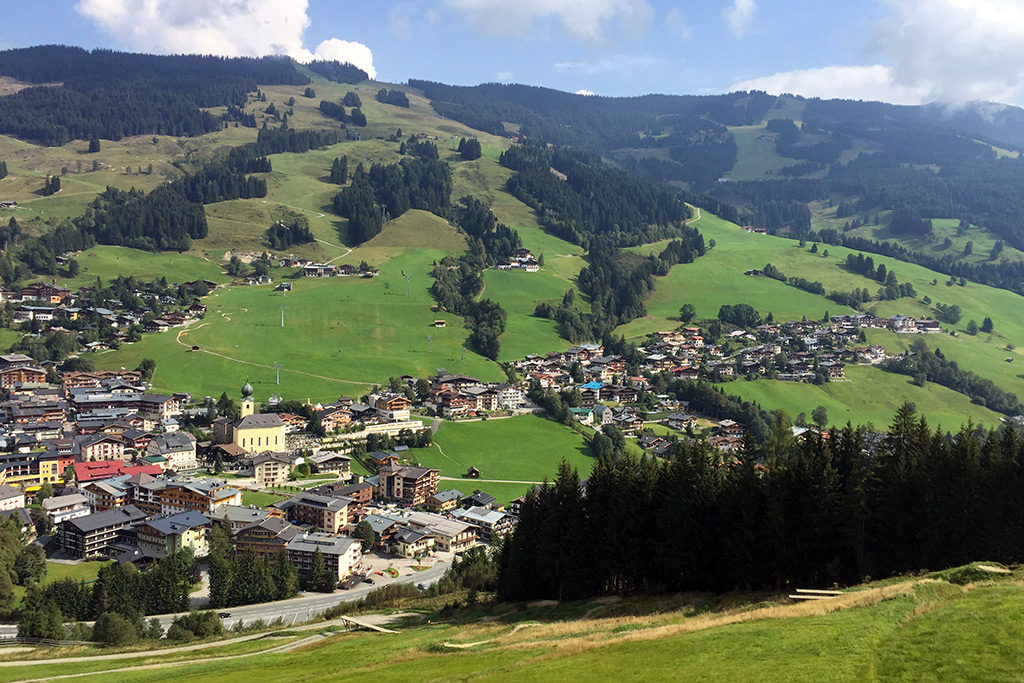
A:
[526,448]
[340,335]
[259,498]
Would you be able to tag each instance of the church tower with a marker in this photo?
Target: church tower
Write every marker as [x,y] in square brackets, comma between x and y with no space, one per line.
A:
[248,404]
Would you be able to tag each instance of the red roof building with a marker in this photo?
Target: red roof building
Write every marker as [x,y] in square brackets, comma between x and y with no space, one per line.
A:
[104,469]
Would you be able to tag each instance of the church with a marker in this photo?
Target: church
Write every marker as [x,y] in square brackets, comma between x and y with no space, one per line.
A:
[255,432]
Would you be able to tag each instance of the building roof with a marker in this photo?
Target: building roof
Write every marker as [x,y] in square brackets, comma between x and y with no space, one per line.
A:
[260,420]
[238,513]
[477,515]
[104,469]
[107,518]
[326,543]
[7,492]
[480,499]
[331,503]
[281,528]
[173,442]
[178,523]
[447,495]
[380,523]
[58,502]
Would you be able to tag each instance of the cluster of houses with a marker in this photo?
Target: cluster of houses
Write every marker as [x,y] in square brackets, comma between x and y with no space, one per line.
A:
[312,269]
[51,307]
[523,259]
[131,488]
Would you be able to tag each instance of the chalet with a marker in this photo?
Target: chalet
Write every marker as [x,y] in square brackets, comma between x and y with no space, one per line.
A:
[408,485]
[443,501]
[270,469]
[266,537]
[928,326]
[319,270]
[164,535]
[491,523]
[41,291]
[330,513]
[329,461]
[335,419]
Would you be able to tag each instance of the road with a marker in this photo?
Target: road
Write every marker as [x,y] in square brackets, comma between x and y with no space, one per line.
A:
[293,610]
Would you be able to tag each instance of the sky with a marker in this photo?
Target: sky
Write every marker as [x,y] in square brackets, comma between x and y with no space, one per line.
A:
[900,51]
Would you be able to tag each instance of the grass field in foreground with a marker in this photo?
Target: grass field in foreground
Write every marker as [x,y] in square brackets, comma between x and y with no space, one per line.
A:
[340,335]
[869,395]
[526,448]
[907,630]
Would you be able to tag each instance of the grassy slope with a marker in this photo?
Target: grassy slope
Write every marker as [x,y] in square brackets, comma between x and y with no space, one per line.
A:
[824,216]
[353,329]
[934,631]
[527,448]
[855,402]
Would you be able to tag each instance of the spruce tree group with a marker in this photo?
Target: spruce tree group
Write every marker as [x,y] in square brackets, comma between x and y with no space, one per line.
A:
[808,512]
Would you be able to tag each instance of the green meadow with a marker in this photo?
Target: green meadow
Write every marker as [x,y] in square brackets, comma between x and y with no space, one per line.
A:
[527,448]
[908,629]
[340,336]
[868,395]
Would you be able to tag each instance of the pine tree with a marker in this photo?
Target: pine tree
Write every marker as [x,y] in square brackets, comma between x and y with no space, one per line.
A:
[319,577]
[285,577]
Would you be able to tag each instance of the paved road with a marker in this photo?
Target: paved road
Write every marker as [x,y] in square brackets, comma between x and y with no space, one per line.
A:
[294,610]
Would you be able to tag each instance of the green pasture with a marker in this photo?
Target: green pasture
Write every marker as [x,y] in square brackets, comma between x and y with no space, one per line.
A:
[868,395]
[526,448]
[340,335]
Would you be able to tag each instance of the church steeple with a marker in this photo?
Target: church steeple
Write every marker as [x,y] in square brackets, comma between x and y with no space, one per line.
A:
[248,404]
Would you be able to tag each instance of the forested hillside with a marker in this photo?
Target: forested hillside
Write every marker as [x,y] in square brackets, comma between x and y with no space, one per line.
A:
[897,167]
[111,95]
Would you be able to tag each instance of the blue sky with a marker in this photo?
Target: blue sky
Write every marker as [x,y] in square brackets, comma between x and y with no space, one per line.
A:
[905,51]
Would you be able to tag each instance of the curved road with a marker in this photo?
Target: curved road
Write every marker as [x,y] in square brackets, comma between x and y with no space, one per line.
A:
[293,610]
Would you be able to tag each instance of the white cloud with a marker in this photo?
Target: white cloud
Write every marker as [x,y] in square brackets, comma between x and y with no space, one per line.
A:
[961,49]
[585,92]
[839,82]
[739,16]
[675,22]
[950,51]
[588,20]
[504,76]
[234,28]
[613,63]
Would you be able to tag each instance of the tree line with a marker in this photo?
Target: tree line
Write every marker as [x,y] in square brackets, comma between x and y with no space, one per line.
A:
[339,72]
[393,97]
[112,95]
[416,183]
[590,199]
[788,513]
[458,281]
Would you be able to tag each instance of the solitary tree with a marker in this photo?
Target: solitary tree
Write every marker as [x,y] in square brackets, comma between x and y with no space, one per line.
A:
[986,325]
[686,312]
[820,416]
